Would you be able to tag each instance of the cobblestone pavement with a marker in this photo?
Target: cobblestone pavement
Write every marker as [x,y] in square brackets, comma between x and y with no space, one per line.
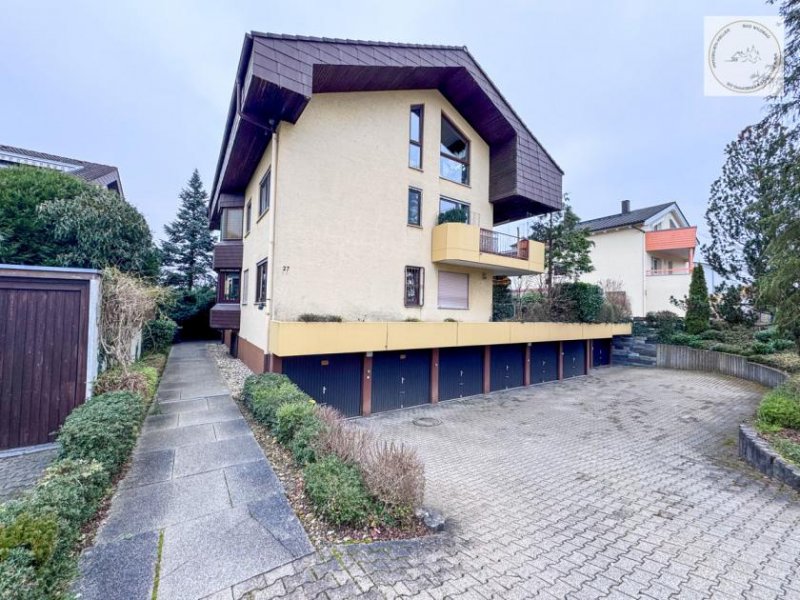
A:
[20,472]
[622,484]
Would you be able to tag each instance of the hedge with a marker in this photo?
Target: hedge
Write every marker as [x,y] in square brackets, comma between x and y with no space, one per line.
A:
[39,531]
[264,394]
[158,335]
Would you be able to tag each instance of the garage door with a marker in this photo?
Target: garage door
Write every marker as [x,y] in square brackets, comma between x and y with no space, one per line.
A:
[43,338]
[460,372]
[333,379]
[574,358]
[544,362]
[400,379]
[601,353]
[507,366]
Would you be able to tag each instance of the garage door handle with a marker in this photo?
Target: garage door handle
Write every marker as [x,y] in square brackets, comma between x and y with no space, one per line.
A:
[402,380]
[323,390]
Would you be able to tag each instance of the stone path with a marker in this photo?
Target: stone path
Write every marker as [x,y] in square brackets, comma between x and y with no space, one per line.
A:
[200,483]
[623,484]
[20,470]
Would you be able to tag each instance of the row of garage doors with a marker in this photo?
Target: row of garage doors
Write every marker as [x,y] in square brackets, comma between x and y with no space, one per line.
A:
[403,379]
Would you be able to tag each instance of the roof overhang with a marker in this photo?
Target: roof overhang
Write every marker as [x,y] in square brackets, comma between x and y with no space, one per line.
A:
[277,76]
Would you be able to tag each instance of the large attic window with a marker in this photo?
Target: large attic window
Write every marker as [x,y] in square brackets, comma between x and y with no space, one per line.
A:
[454,154]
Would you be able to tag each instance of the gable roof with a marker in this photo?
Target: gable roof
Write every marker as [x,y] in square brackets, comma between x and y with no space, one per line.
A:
[104,175]
[634,217]
[278,74]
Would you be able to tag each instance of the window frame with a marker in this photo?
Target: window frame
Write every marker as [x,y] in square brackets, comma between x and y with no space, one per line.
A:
[264,199]
[243,286]
[248,217]
[224,222]
[221,288]
[438,291]
[261,281]
[418,300]
[412,189]
[466,162]
[411,141]
[465,205]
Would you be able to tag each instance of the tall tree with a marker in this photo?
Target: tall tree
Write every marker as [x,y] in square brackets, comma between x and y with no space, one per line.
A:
[758,181]
[785,108]
[186,253]
[99,229]
[698,309]
[566,245]
[780,288]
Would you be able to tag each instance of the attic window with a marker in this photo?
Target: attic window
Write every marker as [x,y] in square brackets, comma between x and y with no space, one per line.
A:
[454,154]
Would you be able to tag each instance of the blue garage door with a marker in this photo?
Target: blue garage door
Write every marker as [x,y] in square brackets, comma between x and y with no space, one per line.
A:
[507,366]
[601,353]
[544,362]
[333,379]
[460,372]
[400,379]
[574,358]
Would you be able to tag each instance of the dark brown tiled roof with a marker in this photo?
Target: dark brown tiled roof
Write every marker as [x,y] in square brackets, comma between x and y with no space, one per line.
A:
[634,217]
[88,171]
[278,74]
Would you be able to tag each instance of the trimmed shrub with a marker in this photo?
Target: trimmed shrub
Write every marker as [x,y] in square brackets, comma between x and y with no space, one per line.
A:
[314,318]
[666,323]
[712,334]
[781,345]
[686,339]
[761,348]
[351,444]
[727,348]
[337,492]
[103,429]
[306,440]
[18,577]
[780,408]
[157,335]
[395,476]
[140,380]
[35,533]
[265,393]
[290,417]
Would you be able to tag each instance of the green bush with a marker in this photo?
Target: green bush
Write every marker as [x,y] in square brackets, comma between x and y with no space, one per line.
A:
[139,379]
[103,429]
[666,323]
[780,408]
[304,444]
[264,394]
[579,302]
[290,417]
[785,361]
[686,339]
[18,579]
[314,318]
[727,348]
[337,492]
[788,449]
[712,334]
[765,335]
[781,345]
[36,533]
[761,348]
[158,335]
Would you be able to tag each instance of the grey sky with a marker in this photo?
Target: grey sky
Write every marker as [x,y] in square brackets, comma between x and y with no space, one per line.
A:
[614,90]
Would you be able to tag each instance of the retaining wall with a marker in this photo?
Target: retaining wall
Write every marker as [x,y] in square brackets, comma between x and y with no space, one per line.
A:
[692,359]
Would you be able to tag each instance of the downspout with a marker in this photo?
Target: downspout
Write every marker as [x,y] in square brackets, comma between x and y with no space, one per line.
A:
[272,210]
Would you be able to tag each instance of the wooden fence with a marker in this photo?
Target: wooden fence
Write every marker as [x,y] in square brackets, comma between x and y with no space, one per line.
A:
[691,359]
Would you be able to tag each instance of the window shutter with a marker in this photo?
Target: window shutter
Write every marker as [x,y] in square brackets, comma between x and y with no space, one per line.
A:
[453,290]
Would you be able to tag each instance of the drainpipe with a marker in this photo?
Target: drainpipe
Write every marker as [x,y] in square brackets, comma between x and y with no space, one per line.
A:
[271,266]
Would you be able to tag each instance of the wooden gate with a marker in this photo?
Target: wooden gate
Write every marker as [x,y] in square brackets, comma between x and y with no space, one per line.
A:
[44,326]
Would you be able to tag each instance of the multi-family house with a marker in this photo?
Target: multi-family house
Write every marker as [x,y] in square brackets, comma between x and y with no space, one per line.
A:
[647,254]
[363,180]
[105,176]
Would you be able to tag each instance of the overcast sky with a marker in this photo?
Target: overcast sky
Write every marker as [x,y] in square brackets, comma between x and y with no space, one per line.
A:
[613,90]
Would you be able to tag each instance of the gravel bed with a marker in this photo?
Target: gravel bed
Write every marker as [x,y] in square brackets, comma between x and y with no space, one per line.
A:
[234,372]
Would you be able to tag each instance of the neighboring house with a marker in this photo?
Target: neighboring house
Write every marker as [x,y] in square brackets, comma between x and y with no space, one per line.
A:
[103,175]
[649,251]
[339,163]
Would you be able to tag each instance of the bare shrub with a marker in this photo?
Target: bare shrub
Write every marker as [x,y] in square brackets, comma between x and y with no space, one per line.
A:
[351,444]
[117,380]
[395,475]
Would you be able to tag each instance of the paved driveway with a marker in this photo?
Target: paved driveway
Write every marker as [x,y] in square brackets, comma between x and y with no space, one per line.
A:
[623,484]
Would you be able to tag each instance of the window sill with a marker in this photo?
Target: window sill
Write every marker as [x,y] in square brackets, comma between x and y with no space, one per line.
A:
[451,308]
[262,215]
[418,169]
[414,226]
[466,185]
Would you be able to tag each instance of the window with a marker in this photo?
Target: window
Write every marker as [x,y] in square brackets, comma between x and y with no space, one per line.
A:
[415,282]
[245,278]
[453,290]
[231,223]
[263,194]
[229,286]
[672,224]
[414,206]
[454,154]
[655,263]
[657,227]
[261,282]
[453,211]
[415,136]
[248,216]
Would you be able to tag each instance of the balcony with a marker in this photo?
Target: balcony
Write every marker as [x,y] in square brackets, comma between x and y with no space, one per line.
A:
[225,316]
[675,271]
[227,255]
[668,240]
[470,246]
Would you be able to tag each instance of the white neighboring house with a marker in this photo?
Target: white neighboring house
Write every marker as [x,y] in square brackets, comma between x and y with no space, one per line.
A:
[649,251]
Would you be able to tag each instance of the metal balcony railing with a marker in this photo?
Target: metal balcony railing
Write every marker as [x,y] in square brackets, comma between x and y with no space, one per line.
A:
[503,244]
